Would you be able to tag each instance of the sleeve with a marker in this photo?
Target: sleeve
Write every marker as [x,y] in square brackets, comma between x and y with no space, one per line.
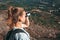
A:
[21,36]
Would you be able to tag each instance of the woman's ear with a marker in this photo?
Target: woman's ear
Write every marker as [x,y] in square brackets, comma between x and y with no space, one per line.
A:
[19,19]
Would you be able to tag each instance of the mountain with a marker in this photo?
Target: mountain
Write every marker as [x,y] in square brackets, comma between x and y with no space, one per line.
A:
[31,3]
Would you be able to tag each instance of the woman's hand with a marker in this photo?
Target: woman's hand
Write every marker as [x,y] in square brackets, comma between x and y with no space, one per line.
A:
[27,21]
[26,24]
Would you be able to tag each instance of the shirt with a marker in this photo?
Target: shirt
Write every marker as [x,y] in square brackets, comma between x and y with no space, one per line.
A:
[20,36]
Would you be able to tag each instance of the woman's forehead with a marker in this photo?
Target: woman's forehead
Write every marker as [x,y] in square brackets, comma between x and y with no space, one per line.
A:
[24,12]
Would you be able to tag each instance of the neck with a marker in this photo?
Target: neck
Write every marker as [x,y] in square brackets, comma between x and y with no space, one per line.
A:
[18,25]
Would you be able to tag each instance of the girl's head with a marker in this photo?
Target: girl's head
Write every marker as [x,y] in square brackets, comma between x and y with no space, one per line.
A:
[16,14]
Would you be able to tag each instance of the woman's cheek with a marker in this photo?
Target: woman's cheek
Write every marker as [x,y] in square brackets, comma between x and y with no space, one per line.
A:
[23,19]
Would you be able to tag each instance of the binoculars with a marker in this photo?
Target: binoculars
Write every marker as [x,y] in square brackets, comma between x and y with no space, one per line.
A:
[28,14]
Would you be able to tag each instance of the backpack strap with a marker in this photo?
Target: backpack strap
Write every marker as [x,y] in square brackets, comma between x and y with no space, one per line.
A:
[18,31]
[8,35]
[13,32]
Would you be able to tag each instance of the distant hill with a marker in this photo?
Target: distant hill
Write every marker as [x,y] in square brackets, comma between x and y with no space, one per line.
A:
[42,4]
[43,25]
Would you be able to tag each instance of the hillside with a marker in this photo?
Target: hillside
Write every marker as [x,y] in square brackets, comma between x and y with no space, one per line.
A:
[42,25]
[44,19]
[41,4]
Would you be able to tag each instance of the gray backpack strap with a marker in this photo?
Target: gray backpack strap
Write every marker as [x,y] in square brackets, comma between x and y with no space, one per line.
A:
[13,32]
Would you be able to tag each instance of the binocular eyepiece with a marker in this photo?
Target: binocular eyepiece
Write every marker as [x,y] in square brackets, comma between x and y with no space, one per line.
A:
[28,14]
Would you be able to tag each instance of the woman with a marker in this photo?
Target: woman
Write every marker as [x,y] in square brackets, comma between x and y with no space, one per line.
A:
[17,19]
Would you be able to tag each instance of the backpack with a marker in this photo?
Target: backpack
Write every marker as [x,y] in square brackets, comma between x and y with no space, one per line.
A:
[13,32]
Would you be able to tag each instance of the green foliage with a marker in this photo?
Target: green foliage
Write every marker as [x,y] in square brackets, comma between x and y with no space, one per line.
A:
[3,7]
[46,20]
[33,4]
